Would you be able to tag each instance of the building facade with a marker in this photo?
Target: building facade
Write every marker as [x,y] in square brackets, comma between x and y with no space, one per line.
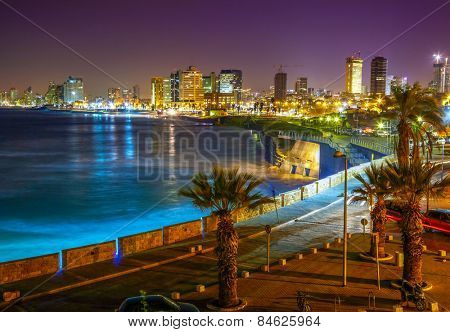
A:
[378,71]
[219,101]
[301,86]
[395,81]
[191,86]
[167,92]
[175,86]
[157,92]
[353,75]
[280,89]
[114,94]
[230,81]
[441,75]
[73,90]
[210,83]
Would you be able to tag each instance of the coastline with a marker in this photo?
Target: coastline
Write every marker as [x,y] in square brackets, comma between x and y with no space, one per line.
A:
[89,254]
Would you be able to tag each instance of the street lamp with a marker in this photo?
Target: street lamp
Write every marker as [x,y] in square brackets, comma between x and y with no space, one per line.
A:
[340,154]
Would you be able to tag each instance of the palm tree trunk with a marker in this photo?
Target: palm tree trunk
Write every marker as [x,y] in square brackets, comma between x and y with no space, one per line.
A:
[227,247]
[412,243]
[403,144]
[378,215]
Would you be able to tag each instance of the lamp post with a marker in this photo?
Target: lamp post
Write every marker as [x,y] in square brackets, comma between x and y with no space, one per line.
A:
[443,150]
[340,154]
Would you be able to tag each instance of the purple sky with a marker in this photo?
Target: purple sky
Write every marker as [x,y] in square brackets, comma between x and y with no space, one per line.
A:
[136,39]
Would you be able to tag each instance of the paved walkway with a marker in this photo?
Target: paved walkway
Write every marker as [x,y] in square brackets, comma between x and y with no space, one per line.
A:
[320,276]
[102,286]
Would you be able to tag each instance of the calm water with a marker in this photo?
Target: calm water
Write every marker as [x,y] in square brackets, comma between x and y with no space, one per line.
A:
[72,179]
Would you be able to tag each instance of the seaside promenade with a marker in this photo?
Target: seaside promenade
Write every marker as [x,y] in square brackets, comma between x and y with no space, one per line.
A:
[103,286]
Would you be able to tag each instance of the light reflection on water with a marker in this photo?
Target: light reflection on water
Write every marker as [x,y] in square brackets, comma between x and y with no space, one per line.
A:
[70,180]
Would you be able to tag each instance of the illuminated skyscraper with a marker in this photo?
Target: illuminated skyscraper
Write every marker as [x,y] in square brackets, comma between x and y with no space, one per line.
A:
[73,90]
[353,75]
[28,96]
[157,92]
[230,81]
[378,70]
[280,86]
[191,86]
[441,74]
[51,95]
[301,86]
[175,86]
[210,83]
[167,92]
[13,95]
[114,94]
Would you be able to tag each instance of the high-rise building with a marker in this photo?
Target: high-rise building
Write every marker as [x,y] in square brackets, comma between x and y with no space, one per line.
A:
[191,86]
[157,92]
[395,81]
[73,90]
[60,93]
[51,96]
[301,86]
[13,95]
[114,94]
[280,86]
[441,74]
[210,83]
[230,81]
[136,92]
[127,95]
[175,85]
[353,75]
[378,70]
[28,97]
[167,92]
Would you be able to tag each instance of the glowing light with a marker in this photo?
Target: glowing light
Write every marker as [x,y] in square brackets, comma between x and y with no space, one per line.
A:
[171,112]
[437,57]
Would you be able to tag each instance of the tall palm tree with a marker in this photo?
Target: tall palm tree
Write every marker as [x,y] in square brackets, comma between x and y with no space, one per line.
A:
[409,184]
[223,192]
[415,109]
[374,190]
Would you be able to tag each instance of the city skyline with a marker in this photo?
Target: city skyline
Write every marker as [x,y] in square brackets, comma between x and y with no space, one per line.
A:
[147,51]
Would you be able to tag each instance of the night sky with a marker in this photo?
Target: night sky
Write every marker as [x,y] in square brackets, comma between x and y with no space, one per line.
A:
[136,39]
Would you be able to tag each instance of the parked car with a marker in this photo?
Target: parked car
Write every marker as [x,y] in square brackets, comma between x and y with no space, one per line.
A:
[437,219]
[154,303]
[394,211]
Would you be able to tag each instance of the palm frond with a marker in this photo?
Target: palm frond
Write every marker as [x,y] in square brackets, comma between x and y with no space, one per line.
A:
[225,190]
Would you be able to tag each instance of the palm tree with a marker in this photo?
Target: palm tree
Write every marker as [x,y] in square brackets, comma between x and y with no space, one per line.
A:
[223,192]
[374,187]
[415,109]
[409,185]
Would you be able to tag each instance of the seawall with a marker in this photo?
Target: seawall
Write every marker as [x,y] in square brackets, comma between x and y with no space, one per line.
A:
[21,269]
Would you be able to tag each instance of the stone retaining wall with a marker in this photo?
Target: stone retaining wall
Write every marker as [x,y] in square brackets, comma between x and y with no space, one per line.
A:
[245,214]
[183,231]
[210,223]
[89,254]
[140,242]
[75,257]
[28,268]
